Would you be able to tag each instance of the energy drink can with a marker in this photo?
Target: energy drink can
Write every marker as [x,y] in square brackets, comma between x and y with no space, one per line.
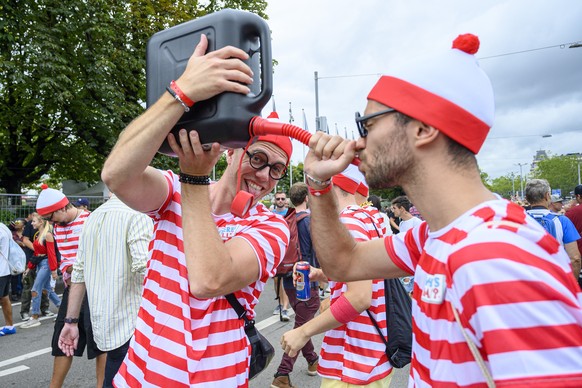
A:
[303,286]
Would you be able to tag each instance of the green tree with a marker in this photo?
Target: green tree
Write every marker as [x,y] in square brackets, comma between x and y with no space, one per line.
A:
[72,76]
[560,171]
[296,171]
[503,186]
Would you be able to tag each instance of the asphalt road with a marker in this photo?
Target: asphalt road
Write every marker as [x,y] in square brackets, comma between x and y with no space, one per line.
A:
[25,359]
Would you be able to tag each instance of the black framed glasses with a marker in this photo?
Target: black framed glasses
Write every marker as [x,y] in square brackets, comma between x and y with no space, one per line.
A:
[259,160]
[49,217]
[361,120]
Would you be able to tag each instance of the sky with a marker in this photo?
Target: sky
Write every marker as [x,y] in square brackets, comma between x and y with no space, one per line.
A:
[538,89]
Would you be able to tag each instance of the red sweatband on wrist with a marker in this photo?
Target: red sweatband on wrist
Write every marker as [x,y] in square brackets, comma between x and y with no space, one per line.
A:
[343,311]
[318,193]
[181,94]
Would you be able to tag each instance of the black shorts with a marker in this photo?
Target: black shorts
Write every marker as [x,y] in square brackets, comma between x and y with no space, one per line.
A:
[4,285]
[85,330]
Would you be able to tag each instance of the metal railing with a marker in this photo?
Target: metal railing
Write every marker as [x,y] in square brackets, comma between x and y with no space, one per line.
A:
[13,206]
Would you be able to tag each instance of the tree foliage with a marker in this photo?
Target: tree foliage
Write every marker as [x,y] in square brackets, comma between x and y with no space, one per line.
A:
[72,76]
[560,171]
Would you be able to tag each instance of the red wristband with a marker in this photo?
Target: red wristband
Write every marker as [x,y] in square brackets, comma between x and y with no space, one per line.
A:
[181,94]
[343,311]
[318,193]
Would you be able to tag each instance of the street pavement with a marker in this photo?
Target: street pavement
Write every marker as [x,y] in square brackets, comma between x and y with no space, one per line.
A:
[25,359]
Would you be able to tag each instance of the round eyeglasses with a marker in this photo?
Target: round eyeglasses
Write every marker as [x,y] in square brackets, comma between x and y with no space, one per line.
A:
[259,160]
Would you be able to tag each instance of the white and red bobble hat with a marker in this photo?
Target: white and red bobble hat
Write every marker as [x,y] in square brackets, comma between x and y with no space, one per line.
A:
[282,142]
[449,92]
[349,179]
[363,189]
[50,200]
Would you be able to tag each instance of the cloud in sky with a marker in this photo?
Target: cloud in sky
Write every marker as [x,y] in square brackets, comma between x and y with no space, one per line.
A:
[349,44]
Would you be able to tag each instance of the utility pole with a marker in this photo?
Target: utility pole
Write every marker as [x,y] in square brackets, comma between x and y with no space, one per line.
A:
[291,120]
[521,177]
[317,126]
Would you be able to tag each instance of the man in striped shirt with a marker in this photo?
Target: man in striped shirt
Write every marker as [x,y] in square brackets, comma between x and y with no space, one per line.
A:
[210,240]
[494,300]
[110,266]
[352,351]
[68,221]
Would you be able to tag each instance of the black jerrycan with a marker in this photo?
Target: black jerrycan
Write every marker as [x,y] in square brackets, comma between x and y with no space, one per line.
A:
[224,118]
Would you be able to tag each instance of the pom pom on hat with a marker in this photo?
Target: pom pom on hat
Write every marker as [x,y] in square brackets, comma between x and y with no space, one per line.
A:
[349,179]
[50,200]
[449,92]
[468,43]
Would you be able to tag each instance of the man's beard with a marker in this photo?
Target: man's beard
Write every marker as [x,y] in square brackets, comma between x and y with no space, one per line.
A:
[389,165]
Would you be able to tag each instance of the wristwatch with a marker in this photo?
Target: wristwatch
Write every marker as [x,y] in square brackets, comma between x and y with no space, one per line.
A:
[71,320]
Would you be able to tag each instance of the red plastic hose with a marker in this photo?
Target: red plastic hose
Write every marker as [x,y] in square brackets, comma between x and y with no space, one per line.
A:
[260,126]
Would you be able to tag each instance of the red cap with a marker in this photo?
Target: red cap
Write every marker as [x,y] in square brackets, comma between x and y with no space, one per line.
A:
[282,142]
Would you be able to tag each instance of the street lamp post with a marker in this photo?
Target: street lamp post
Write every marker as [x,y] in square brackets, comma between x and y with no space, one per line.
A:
[521,178]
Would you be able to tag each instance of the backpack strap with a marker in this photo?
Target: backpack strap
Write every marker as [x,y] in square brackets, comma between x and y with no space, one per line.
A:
[239,309]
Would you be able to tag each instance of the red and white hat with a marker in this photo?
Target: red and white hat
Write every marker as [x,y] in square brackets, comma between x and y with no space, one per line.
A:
[449,92]
[50,200]
[363,189]
[282,142]
[349,179]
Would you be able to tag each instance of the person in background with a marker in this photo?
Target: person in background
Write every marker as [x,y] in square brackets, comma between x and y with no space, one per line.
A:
[54,206]
[110,268]
[556,205]
[281,208]
[479,260]
[376,210]
[44,261]
[352,353]
[538,194]
[82,203]
[304,310]
[574,213]
[28,280]
[17,228]
[5,237]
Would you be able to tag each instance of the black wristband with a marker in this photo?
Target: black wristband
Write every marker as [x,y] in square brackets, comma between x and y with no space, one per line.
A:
[71,320]
[194,179]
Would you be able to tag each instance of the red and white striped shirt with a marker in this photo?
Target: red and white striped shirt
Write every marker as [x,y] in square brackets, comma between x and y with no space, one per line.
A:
[514,290]
[183,341]
[354,353]
[67,238]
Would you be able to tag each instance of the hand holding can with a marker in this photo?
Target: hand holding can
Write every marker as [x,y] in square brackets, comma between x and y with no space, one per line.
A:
[302,285]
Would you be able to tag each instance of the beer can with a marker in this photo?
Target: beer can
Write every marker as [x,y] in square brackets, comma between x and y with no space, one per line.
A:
[302,286]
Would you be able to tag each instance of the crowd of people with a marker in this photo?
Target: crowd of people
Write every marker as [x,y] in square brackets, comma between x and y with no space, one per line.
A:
[421,130]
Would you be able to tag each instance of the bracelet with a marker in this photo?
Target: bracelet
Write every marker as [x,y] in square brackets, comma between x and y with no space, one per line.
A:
[318,182]
[177,98]
[319,193]
[181,94]
[194,179]
[71,320]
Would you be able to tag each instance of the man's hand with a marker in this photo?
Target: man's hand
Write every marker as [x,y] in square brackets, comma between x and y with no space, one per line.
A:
[293,341]
[223,70]
[68,339]
[194,160]
[328,155]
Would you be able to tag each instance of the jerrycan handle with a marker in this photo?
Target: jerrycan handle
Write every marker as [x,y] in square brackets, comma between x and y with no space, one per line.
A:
[261,99]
